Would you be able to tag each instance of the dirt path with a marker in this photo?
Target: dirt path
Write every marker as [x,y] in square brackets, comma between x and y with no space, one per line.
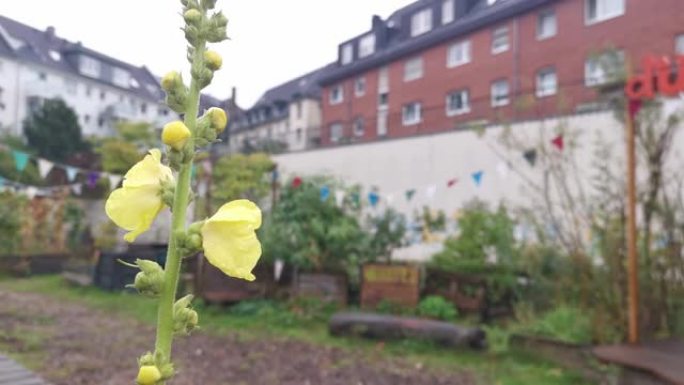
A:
[80,346]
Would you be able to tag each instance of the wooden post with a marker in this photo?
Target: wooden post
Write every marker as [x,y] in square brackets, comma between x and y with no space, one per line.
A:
[632,261]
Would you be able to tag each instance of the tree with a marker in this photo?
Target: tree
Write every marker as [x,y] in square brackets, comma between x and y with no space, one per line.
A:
[53,130]
[120,153]
[241,176]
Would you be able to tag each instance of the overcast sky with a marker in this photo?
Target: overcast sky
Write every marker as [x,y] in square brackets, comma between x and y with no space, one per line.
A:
[272,41]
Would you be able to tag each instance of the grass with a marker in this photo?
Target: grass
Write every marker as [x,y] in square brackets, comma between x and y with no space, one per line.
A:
[307,322]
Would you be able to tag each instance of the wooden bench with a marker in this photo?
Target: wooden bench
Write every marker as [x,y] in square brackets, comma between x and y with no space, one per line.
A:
[12,373]
[649,363]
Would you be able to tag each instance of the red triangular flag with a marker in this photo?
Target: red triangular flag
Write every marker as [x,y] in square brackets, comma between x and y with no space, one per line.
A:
[558,142]
[634,107]
[452,182]
[296,182]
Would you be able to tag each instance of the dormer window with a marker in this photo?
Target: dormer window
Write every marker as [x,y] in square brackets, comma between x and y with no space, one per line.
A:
[90,67]
[347,54]
[447,11]
[421,22]
[367,45]
[121,77]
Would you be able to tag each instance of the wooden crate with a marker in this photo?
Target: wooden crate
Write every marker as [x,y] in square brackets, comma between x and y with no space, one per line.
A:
[325,287]
[398,284]
[213,286]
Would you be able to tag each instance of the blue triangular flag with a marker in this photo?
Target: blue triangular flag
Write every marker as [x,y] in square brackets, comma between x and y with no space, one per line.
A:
[71,173]
[325,193]
[373,198]
[477,178]
[20,160]
[2,182]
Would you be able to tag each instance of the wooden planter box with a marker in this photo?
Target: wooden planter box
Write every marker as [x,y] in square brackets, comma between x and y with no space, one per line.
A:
[26,265]
[324,287]
[213,286]
[398,284]
[110,274]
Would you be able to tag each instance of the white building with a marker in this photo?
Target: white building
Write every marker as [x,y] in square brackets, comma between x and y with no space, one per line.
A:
[36,65]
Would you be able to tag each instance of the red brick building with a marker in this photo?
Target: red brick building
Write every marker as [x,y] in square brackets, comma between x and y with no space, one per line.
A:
[439,65]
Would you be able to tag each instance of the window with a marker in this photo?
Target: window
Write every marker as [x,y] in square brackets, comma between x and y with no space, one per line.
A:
[457,103]
[143,108]
[359,126]
[500,92]
[679,44]
[33,104]
[71,86]
[383,99]
[604,68]
[103,95]
[89,67]
[600,10]
[336,95]
[546,25]
[299,134]
[410,114]
[347,53]
[500,40]
[547,82]
[447,11]
[421,22]
[1,65]
[360,87]
[42,76]
[383,80]
[86,119]
[367,45]
[336,132]
[413,69]
[458,54]
[121,77]
[89,90]
[299,109]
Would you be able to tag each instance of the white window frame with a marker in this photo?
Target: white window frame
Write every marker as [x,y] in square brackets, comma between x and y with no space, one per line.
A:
[408,118]
[359,121]
[413,69]
[500,33]
[541,34]
[421,22]
[366,45]
[595,72]
[546,82]
[500,99]
[602,13]
[71,86]
[336,95]
[347,54]
[121,77]
[336,132]
[459,54]
[360,86]
[448,11]
[465,107]
[679,44]
[89,66]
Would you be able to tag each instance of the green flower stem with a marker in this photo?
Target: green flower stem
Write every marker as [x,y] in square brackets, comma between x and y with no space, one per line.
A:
[178,221]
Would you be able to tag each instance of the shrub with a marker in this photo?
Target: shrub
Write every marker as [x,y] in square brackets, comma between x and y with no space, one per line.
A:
[437,307]
[564,323]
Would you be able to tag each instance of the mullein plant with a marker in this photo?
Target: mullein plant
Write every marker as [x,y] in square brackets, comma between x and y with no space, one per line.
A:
[227,239]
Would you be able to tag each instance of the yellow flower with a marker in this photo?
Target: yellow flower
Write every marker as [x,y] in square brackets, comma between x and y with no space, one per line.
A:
[170,80]
[137,203]
[218,119]
[148,375]
[213,60]
[229,239]
[175,134]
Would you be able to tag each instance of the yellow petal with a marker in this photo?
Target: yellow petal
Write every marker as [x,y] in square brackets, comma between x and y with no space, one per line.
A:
[134,208]
[149,171]
[229,240]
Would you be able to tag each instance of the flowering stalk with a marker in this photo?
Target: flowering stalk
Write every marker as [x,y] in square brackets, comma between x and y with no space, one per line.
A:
[228,238]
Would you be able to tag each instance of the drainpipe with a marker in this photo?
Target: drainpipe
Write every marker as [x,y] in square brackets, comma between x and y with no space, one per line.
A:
[516,60]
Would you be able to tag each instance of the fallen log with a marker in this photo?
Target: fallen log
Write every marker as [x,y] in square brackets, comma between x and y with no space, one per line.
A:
[386,327]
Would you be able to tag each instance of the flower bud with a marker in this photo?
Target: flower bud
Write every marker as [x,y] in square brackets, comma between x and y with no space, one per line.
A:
[218,119]
[149,375]
[192,16]
[185,319]
[209,4]
[171,80]
[213,60]
[176,135]
[150,280]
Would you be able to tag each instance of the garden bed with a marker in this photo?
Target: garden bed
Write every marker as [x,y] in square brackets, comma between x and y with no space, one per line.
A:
[38,264]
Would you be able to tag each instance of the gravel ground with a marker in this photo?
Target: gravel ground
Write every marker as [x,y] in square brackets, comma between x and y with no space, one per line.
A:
[75,345]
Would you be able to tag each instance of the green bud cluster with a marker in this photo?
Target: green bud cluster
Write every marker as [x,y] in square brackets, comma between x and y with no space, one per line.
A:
[185,319]
[191,242]
[168,191]
[176,91]
[212,123]
[163,367]
[150,280]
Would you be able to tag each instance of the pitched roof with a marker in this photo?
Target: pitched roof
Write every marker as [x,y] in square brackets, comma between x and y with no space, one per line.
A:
[44,48]
[305,86]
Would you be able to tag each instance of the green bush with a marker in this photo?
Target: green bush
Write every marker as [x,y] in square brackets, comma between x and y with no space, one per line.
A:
[497,339]
[564,323]
[437,307]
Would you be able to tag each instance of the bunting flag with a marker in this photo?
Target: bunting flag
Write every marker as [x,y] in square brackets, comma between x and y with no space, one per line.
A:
[356,198]
[206,165]
[634,107]
[452,182]
[477,178]
[558,142]
[531,156]
[274,176]
[31,192]
[296,182]
[20,160]
[71,172]
[44,167]
[193,171]
[2,183]
[389,199]
[114,180]
[373,198]
[77,188]
[202,188]
[431,191]
[339,197]
[502,168]
[410,194]
[93,178]
[325,193]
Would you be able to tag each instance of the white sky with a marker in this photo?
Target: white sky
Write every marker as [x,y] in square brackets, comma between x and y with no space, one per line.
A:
[272,41]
